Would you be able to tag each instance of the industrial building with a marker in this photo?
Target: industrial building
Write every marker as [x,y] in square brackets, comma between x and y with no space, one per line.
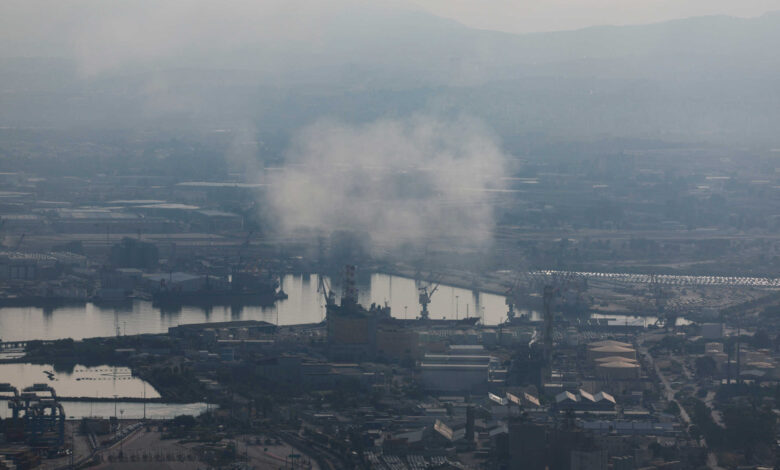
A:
[351,328]
[527,446]
[23,266]
[453,377]
[602,349]
[613,363]
[457,372]
[617,368]
[108,221]
[37,417]
[584,401]
[397,343]
[524,399]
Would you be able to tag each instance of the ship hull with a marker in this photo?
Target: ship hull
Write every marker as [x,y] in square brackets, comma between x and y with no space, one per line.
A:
[209,299]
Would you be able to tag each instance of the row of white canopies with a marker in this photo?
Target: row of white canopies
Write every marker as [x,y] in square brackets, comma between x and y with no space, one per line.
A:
[667,279]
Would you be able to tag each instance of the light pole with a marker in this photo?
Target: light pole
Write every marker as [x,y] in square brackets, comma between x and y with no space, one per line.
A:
[457,306]
[121,440]
[72,447]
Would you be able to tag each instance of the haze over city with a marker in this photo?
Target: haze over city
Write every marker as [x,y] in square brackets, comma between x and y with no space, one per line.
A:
[399,234]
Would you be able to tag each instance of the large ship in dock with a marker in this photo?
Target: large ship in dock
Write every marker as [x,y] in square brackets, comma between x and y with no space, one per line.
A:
[242,287]
[354,332]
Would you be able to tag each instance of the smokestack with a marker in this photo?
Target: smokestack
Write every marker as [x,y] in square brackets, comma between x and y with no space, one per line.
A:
[350,294]
[548,323]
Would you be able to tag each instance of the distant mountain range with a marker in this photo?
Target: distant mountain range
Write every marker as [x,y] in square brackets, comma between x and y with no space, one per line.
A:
[709,79]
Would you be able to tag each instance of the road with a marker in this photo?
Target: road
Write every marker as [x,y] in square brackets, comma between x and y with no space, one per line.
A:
[716,415]
[712,461]
[273,456]
[323,456]
[668,390]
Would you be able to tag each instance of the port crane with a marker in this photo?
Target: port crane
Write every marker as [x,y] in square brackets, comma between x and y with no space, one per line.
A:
[426,292]
[510,297]
[324,288]
[510,303]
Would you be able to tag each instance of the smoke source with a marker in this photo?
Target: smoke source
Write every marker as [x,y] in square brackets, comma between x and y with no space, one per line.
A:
[402,181]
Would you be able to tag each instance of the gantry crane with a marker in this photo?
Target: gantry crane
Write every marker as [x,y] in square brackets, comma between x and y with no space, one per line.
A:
[425,298]
[510,297]
[324,288]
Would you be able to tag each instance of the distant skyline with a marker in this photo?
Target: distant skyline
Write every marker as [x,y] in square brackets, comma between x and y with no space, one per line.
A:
[528,16]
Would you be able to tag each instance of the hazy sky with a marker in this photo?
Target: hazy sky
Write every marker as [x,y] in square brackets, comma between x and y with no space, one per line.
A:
[519,16]
[102,34]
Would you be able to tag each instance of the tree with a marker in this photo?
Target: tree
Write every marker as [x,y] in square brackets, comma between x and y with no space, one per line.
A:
[748,427]
[655,448]
[694,431]
[185,421]
[706,367]
[761,340]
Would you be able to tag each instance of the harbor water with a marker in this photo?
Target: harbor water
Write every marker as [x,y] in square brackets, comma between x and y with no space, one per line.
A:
[125,410]
[303,305]
[109,385]
[91,382]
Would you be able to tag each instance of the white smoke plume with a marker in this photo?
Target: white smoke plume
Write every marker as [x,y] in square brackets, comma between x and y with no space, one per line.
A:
[416,180]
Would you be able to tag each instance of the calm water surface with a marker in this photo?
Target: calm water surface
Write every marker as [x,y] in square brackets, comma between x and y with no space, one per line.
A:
[304,305]
[98,382]
[77,410]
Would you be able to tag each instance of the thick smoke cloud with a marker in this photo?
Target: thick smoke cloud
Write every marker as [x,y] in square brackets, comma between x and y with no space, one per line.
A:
[401,181]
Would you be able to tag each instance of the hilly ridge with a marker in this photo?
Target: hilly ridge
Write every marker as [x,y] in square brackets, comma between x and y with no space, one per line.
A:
[708,79]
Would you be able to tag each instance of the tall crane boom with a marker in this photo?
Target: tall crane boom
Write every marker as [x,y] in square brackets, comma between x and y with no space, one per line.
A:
[324,288]
[425,299]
